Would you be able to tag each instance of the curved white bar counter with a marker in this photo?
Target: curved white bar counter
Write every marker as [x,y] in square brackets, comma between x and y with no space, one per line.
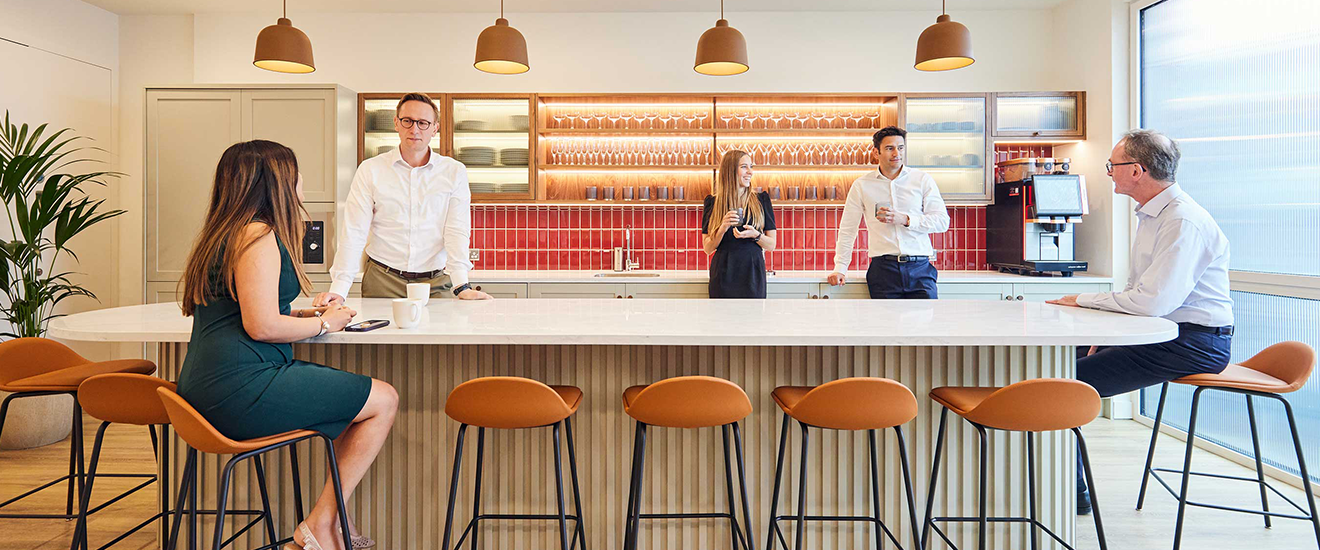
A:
[604,346]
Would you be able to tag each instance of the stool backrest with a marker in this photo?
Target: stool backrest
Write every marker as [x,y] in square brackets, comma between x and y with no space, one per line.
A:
[857,404]
[691,402]
[1040,405]
[192,427]
[124,399]
[24,357]
[1289,361]
[506,402]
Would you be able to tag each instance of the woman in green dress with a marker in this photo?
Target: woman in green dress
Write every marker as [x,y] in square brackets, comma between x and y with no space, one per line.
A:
[240,372]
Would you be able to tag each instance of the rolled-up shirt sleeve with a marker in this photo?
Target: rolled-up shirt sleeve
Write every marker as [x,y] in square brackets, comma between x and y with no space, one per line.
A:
[934,217]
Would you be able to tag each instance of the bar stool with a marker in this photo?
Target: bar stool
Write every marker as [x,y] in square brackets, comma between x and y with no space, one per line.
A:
[33,367]
[131,399]
[1281,368]
[200,435]
[513,403]
[1045,404]
[868,404]
[688,402]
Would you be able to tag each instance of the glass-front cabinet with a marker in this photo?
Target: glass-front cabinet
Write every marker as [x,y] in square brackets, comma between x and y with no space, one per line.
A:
[1060,115]
[947,139]
[491,135]
[377,124]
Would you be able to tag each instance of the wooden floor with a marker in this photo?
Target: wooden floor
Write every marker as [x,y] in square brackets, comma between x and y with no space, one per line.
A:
[1118,449]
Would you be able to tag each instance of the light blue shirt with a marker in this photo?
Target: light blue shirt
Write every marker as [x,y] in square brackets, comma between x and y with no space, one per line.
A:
[1179,265]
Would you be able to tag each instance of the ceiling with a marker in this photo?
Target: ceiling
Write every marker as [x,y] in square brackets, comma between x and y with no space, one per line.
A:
[178,7]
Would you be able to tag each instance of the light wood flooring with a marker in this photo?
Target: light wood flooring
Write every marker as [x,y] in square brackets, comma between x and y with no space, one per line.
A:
[1118,449]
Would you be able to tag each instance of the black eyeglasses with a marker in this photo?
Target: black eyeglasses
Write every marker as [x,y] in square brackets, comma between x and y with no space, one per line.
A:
[421,124]
[1109,166]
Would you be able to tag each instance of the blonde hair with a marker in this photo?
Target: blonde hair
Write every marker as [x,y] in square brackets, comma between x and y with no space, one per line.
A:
[256,181]
[729,196]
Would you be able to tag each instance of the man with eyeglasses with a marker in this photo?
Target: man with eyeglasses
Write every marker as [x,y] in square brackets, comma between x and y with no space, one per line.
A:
[1178,271]
[409,209]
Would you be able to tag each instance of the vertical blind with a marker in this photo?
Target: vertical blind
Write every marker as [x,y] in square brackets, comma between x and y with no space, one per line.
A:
[1239,88]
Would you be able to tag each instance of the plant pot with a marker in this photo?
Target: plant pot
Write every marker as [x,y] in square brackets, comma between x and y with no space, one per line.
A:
[36,421]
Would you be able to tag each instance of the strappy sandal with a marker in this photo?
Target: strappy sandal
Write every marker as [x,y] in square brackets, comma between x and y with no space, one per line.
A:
[309,541]
[359,542]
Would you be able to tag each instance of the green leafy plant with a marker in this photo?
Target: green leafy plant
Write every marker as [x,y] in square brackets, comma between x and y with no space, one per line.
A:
[46,207]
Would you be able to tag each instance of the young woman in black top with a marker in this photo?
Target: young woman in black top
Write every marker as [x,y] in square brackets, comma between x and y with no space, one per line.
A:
[738,229]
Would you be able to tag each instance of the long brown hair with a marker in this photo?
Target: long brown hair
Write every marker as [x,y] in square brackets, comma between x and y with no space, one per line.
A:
[729,196]
[255,181]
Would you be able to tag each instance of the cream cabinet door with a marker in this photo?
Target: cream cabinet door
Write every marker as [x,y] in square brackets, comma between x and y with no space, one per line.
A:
[503,290]
[303,120]
[160,293]
[187,131]
[849,291]
[1040,292]
[974,291]
[575,290]
[792,291]
[667,290]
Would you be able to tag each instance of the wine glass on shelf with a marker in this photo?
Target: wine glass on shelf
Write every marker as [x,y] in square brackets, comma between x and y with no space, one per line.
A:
[649,115]
[777,157]
[777,117]
[701,118]
[600,116]
[614,118]
[765,117]
[626,117]
[874,116]
[818,116]
[559,120]
[726,118]
[690,117]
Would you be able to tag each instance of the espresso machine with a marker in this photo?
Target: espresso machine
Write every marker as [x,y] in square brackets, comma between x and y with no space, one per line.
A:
[1030,226]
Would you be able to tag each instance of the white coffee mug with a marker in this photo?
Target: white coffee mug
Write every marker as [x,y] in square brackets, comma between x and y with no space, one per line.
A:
[420,291]
[407,312]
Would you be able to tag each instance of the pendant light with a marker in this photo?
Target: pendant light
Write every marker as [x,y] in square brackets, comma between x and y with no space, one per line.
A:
[944,46]
[501,49]
[283,48]
[722,50]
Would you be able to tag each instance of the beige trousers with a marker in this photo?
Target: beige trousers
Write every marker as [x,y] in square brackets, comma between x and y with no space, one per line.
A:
[378,283]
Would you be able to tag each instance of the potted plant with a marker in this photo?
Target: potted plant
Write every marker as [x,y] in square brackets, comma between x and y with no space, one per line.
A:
[46,206]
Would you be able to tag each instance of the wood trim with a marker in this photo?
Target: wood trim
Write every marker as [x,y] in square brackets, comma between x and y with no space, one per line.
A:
[1042,135]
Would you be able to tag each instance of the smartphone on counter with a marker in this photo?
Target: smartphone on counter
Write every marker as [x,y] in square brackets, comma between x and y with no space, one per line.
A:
[365,326]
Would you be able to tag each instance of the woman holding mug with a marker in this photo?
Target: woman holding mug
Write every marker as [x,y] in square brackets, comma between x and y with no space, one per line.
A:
[240,372]
[738,229]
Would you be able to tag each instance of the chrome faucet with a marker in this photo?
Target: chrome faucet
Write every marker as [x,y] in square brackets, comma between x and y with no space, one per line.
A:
[623,256]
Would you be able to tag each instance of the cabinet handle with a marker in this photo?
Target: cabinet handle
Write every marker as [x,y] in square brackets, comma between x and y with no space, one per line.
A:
[824,296]
[618,297]
[630,296]
[478,287]
[1009,298]
[813,296]
[1019,298]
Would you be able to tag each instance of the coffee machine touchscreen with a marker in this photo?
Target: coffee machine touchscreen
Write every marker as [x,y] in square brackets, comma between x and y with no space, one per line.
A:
[1057,195]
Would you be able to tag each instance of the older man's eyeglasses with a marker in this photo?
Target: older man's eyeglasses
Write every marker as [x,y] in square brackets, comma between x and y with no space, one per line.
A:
[421,124]
[1109,166]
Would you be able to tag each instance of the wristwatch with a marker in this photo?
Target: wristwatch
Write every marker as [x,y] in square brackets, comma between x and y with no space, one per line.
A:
[459,289]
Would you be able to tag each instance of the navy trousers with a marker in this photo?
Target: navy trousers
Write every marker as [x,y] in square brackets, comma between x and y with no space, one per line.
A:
[890,279]
[1121,369]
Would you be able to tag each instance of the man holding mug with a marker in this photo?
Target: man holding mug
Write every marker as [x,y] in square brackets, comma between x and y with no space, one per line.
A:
[902,206]
[415,205]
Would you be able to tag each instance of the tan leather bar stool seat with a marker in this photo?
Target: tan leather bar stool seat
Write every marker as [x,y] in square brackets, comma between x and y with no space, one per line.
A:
[1278,369]
[201,435]
[511,402]
[687,402]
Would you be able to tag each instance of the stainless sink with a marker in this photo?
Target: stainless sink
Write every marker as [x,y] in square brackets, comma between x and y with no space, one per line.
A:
[628,274]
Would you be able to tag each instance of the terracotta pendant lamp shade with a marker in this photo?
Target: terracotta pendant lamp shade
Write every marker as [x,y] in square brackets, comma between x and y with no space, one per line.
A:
[501,49]
[944,46]
[283,48]
[722,50]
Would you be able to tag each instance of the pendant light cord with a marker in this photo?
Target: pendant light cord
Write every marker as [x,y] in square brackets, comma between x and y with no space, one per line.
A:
[944,6]
[721,8]
[501,9]
[286,9]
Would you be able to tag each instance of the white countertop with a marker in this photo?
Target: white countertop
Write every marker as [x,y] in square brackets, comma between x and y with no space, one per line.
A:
[684,322]
[702,276]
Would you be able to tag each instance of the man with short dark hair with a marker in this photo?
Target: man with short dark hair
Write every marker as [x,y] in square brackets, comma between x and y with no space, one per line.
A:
[902,207]
[1178,271]
[415,205]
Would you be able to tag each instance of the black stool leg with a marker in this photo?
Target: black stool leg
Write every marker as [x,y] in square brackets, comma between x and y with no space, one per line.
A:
[1150,451]
[453,487]
[802,492]
[1090,482]
[934,477]
[774,498]
[84,499]
[1301,464]
[907,483]
[194,527]
[1260,472]
[875,491]
[476,491]
[75,456]
[339,492]
[639,467]
[1031,488]
[271,537]
[580,532]
[297,484]
[559,490]
[750,543]
[1187,470]
[984,535]
[185,487]
[728,485]
[222,498]
[164,482]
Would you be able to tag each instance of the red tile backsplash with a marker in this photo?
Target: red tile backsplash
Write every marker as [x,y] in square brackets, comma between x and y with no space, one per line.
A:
[668,237]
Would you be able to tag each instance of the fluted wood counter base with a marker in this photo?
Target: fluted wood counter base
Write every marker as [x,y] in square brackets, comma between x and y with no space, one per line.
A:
[401,502]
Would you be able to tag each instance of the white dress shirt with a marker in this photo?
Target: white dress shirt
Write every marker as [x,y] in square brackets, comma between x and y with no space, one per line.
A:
[418,219]
[1179,265]
[913,193]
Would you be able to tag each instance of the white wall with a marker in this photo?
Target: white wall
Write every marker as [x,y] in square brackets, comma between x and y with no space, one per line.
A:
[63,71]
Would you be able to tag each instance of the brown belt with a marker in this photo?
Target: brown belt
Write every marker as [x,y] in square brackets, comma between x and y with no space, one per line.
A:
[407,275]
